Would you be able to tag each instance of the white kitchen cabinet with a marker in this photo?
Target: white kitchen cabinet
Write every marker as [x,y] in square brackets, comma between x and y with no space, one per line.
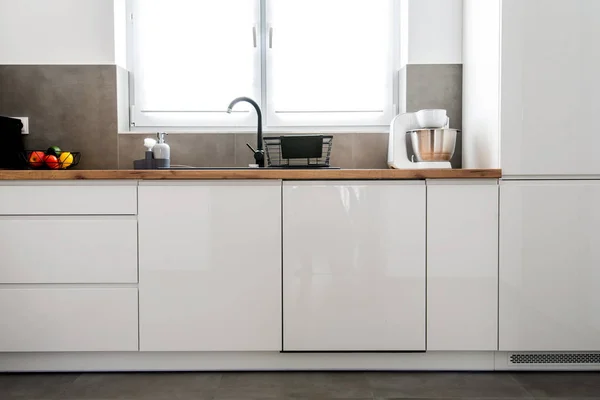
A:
[462,265]
[68,197]
[210,266]
[544,57]
[550,86]
[549,266]
[68,249]
[354,266]
[39,319]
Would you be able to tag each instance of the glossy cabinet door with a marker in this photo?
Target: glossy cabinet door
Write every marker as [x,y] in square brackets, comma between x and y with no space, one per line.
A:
[549,87]
[462,265]
[68,197]
[353,266]
[210,266]
[66,319]
[68,249]
[549,266]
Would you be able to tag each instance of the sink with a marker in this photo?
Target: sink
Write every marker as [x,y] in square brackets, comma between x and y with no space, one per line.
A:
[205,168]
[189,168]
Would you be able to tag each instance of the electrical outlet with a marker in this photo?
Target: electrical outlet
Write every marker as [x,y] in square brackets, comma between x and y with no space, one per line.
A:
[25,121]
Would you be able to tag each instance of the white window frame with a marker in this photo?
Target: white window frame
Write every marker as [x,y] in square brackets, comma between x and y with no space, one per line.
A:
[209,121]
[243,121]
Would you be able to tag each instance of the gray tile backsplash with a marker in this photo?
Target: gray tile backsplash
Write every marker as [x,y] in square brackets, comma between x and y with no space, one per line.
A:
[342,151]
[437,86]
[71,106]
[81,108]
[198,150]
[350,150]
[369,150]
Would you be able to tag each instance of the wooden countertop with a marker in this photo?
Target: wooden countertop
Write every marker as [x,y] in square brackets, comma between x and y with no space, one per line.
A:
[306,174]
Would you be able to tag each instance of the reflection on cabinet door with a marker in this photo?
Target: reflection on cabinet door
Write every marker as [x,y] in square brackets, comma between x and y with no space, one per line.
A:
[210,266]
[550,266]
[550,85]
[354,266]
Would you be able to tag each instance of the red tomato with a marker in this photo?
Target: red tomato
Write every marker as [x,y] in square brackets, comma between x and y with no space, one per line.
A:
[52,162]
[36,159]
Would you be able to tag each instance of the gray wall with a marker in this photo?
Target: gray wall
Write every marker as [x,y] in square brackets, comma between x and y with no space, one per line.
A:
[350,150]
[73,107]
[76,108]
[437,86]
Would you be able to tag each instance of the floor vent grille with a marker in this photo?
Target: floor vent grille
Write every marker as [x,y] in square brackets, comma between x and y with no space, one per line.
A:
[555,358]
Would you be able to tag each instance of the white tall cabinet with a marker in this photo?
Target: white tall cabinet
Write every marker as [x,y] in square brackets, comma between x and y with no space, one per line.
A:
[550,266]
[354,266]
[210,265]
[531,86]
[550,85]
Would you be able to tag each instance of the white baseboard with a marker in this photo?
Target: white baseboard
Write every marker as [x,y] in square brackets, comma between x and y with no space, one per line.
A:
[269,361]
[247,361]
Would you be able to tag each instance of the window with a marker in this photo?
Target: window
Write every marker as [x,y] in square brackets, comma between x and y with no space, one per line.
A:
[308,63]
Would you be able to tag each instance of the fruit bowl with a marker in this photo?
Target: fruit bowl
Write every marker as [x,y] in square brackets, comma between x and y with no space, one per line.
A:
[40,159]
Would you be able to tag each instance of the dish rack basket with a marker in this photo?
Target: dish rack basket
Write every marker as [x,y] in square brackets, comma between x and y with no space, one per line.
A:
[300,151]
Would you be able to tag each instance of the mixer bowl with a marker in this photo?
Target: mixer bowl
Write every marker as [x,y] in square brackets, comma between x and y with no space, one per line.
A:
[433,144]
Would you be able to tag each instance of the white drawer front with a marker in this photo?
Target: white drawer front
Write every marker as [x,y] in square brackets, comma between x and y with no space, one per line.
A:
[57,320]
[68,198]
[68,250]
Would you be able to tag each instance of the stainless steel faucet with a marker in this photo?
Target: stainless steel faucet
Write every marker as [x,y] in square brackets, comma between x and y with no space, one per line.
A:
[259,153]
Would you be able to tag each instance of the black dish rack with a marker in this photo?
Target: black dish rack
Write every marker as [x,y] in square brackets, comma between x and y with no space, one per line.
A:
[298,151]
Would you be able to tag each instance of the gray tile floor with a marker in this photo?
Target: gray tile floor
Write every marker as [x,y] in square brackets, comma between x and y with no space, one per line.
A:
[300,386]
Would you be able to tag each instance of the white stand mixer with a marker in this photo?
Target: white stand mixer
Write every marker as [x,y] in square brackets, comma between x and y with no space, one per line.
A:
[432,142]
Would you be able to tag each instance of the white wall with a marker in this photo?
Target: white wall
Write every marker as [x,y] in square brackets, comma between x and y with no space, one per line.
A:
[84,32]
[481,84]
[57,32]
[435,31]
[120,34]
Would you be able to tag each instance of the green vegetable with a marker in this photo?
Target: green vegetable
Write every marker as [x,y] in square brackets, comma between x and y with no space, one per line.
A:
[54,151]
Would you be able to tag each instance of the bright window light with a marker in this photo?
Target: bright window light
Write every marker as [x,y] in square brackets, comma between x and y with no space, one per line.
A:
[193,57]
[330,56]
[307,63]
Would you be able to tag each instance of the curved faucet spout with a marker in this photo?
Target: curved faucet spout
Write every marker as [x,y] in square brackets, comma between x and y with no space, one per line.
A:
[259,152]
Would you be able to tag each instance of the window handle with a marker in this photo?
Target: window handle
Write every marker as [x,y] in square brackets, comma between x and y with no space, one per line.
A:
[270,37]
[254,35]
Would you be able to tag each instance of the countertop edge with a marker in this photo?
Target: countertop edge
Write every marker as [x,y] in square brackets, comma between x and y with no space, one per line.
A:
[306,174]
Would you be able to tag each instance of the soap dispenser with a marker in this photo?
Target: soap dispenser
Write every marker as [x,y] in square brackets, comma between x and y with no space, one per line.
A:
[162,152]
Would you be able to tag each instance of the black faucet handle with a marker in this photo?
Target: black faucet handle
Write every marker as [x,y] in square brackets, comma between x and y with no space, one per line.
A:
[259,155]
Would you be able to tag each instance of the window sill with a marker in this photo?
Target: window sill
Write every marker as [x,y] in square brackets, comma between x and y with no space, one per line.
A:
[266,131]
